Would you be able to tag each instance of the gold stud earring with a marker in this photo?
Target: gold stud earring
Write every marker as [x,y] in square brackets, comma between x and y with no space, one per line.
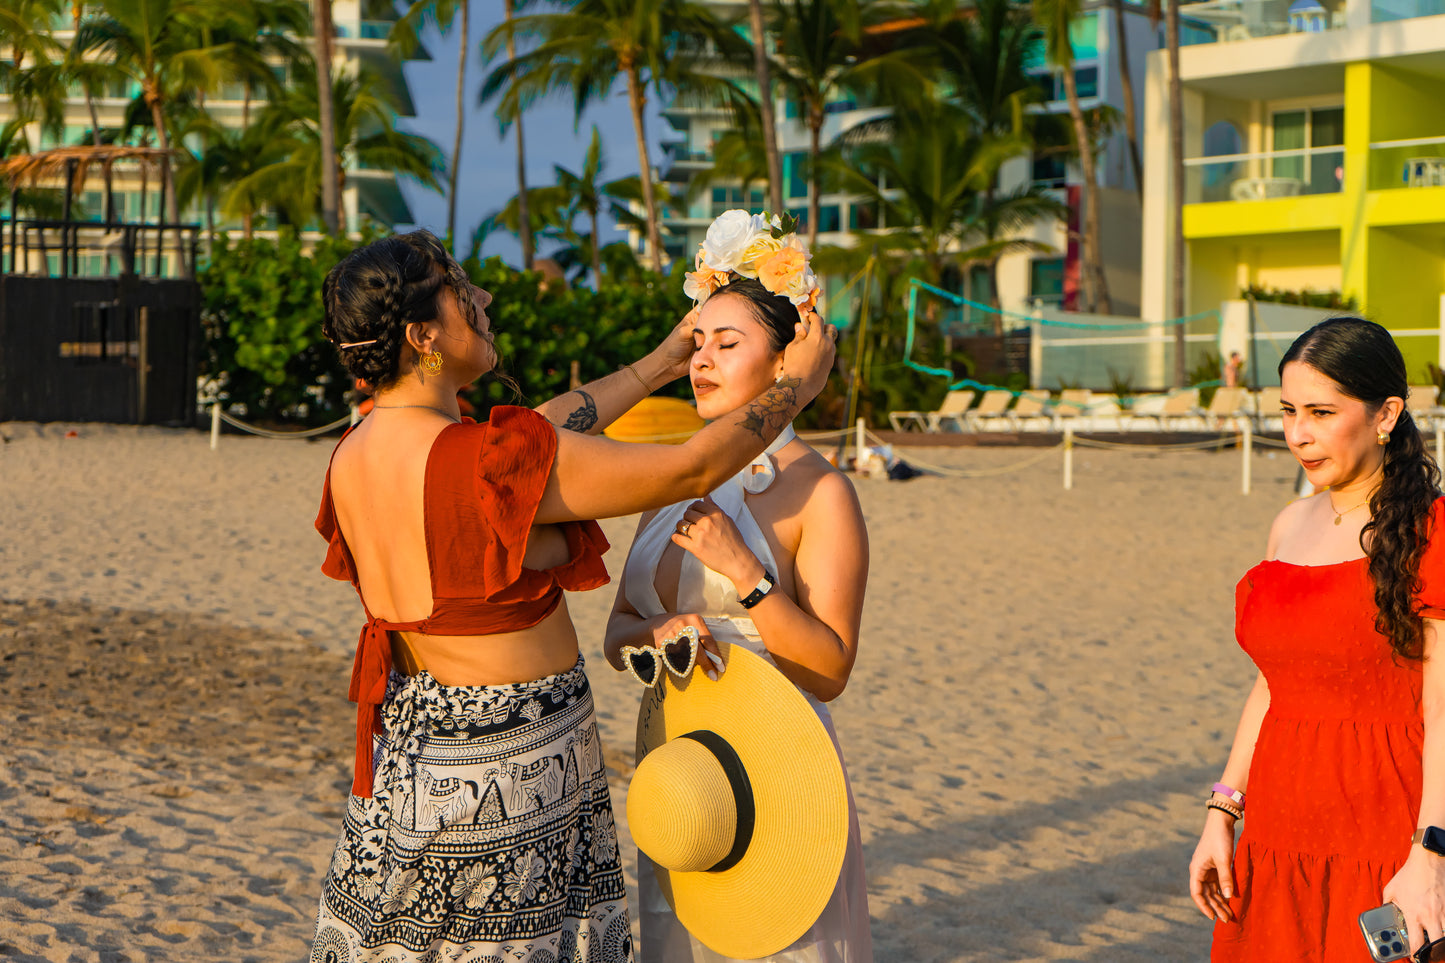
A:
[432,363]
[1383,438]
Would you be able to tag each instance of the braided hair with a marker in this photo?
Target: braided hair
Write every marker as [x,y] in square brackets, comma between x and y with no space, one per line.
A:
[1362,359]
[377,290]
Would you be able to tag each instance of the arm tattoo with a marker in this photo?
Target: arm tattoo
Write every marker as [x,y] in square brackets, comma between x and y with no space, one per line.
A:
[774,409]
[584,419]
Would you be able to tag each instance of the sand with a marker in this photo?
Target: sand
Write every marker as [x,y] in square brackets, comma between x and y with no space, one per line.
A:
[1046,685]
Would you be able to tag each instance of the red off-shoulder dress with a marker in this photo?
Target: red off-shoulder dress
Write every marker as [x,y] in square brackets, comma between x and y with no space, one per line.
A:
[1334,786]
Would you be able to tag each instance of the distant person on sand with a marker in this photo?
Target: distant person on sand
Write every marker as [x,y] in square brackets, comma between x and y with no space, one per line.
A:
[775,560]
[479,820]
[1343,619]
[1233,368]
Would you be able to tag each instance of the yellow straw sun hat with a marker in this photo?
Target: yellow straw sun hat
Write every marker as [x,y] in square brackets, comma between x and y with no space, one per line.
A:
[739,801]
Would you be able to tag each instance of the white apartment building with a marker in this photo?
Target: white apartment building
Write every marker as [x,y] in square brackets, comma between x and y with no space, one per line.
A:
[1024,278]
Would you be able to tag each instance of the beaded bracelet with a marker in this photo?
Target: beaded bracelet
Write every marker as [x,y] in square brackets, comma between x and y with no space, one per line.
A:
[1234,811]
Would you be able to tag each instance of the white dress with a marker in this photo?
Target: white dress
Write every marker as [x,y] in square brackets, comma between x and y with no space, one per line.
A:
[840,934]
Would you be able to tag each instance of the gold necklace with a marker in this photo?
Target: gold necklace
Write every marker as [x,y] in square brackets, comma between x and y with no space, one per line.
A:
[440,411]
[1341,515]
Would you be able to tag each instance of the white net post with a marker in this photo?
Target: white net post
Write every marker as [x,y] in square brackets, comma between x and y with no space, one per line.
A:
[215,425]
[1068,457]
[1246,445]
[861,444]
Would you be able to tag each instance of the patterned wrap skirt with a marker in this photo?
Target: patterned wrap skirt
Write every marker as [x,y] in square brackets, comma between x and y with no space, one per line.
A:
[489,836]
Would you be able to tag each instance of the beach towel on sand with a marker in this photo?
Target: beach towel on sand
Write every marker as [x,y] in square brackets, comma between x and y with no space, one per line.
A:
[489,835]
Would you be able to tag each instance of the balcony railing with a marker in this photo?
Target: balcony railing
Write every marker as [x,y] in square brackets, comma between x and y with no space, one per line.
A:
[1417,162]
[1259,177]
[1227,21]
[1383,11]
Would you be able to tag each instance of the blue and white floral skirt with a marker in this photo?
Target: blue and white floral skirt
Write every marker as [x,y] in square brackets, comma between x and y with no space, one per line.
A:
[490,835]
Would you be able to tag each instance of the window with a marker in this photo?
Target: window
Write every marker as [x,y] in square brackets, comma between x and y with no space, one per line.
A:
[795,178]
[862,216]
[1046,280]
[1050,170]
[1086,79]
[829,219]
[1309,134]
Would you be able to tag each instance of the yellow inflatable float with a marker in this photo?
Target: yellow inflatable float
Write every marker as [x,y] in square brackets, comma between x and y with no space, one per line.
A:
[668,421]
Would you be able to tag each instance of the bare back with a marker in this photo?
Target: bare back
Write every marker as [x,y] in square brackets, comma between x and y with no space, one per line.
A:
[378,480]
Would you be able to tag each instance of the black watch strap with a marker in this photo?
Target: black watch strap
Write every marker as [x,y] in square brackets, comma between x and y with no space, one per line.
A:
[760,592]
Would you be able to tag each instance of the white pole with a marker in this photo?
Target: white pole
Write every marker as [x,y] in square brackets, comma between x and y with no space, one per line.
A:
[215,425]
[858,455]
[355,415]
[1246,445]
[1068,457]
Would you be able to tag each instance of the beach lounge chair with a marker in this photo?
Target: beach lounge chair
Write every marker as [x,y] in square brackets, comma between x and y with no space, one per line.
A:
[991,408]
[1073,403]
[1226,408]
[1267,413]
[955,403]
[1103,410]
[1032,407]
[1424,404]
[1181,406]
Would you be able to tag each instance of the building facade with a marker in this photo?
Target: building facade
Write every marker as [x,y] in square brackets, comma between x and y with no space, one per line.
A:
[1023,278]
[1314,145]
[366,194]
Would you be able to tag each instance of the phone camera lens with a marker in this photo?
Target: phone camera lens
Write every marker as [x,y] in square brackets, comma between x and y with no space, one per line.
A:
[1397,947]
[1386,936]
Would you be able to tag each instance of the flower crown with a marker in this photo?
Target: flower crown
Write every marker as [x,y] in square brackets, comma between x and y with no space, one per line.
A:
[764,247]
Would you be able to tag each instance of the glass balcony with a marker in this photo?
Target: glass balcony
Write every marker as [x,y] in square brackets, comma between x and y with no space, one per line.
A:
[1419,162]
[1260,177]
[1229,21]
[1383,11]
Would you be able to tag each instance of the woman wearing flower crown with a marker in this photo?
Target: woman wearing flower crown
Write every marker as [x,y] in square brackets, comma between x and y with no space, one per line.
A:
[775,560]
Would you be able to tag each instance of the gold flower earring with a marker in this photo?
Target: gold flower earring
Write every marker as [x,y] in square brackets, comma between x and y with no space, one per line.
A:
[432,363]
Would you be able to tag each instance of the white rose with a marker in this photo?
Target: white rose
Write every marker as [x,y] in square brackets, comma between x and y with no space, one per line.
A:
[727,238]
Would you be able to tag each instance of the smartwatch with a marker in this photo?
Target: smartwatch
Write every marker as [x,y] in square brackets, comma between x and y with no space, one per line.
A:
[764,586]
[1431,838]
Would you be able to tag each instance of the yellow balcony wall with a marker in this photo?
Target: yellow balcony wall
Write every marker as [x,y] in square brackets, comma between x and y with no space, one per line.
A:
[1311,212]
[1220,268]
[1405,276]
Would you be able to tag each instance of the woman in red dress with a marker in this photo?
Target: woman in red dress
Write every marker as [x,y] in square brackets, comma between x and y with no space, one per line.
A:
[1339,757]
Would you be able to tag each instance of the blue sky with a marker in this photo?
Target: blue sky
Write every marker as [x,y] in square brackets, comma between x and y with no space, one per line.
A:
[488,168]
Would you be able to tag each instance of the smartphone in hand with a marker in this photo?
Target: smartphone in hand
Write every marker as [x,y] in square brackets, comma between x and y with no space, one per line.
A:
[1384,931]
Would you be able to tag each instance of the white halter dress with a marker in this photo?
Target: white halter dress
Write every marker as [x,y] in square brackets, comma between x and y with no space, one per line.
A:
[841,933]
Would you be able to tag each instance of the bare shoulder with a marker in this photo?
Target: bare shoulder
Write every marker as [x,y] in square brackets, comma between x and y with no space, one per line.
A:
[826,492]
[1291,519]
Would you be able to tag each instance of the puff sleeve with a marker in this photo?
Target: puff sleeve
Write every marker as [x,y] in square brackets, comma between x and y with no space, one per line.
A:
[1430,600]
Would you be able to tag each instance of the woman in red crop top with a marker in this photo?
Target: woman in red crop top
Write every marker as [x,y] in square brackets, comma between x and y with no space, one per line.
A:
[1339,756]
[479,824]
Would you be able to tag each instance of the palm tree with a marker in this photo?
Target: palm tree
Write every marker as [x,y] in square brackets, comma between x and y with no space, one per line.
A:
[364,135]
[586,48]
[1126,82]
[403,40]
[326,117]
[33,76]
[763,76]
[821,53]
[155,42]
[1054,18]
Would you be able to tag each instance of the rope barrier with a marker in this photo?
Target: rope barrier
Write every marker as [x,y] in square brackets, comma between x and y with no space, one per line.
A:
[218,416]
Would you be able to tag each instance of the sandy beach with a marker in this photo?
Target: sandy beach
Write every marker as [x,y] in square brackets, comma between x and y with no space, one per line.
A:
[1047,683]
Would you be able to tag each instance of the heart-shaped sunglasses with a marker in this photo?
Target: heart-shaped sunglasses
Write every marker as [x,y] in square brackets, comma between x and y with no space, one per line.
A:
[677,654]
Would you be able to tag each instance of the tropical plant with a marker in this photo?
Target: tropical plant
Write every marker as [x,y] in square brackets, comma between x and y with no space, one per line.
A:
[1055,17]
[403,40]
[762,76]
[33,75]
[155,42]
[365,138]
[648,43]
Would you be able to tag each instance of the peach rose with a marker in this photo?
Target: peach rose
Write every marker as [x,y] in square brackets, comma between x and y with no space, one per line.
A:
[786,272]
[700,284]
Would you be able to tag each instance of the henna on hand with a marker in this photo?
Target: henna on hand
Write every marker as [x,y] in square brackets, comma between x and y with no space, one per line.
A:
[584,419]
[773,409]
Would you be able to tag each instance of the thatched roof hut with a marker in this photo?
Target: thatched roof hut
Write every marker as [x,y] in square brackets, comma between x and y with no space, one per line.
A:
[74,163]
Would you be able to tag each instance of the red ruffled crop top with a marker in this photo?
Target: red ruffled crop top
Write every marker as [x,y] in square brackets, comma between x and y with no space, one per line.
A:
[483,484]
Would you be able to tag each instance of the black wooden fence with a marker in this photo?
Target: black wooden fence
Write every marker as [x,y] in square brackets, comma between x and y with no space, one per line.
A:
[90,327]
[98,349]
